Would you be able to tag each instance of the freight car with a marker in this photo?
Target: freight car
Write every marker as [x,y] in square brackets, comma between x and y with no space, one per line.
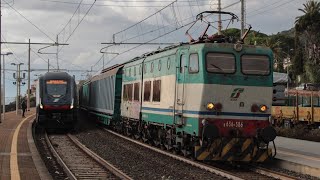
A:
[209,99]
[301,107]
[57,100]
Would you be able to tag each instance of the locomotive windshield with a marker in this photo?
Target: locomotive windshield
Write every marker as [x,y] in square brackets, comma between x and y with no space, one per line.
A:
[56,88]
[255,65]
[221,63]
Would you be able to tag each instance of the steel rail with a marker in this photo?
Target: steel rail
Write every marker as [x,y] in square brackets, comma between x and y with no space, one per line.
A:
[60,161]
[218,171]
[214,170]
[271,173]
[109,167]
[100,160]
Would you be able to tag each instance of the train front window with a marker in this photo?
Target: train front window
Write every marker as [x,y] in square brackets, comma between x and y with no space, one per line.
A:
[220,63]
[255,65]
[56,88]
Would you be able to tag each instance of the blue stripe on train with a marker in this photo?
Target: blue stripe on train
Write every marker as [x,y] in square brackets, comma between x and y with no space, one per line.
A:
[207,112]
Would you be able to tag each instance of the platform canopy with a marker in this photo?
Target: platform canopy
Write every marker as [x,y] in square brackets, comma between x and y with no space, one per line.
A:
[280,77]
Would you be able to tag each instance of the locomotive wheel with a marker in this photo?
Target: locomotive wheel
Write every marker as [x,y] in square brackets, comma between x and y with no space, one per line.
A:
[137,134]
[144,136]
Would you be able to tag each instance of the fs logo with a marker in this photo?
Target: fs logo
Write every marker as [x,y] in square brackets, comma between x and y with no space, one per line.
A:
[236,93]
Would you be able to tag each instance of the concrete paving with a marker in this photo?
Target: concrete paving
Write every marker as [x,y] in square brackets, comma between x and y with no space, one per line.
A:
[16,152]
[299,152]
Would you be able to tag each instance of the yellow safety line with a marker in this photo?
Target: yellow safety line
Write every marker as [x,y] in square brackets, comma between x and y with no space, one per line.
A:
[14,168]
[299,155]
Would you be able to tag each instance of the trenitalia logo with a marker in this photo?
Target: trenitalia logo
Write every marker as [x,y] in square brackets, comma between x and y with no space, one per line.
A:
[236,92]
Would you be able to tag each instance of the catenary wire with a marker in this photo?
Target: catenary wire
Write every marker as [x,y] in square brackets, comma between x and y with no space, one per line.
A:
[30,22]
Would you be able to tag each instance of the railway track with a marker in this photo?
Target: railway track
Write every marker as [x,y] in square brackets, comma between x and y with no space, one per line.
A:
[79,162]
[230,172]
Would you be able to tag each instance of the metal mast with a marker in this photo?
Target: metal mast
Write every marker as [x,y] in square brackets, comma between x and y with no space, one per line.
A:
[28,93]
[243,16]
[0,60]
[219,18]
[57,53]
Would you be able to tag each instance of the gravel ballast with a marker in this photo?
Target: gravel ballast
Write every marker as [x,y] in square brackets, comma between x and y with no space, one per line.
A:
[136,161]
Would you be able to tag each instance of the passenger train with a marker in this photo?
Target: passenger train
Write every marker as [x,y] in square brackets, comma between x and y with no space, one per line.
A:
[209,99]
[57,100]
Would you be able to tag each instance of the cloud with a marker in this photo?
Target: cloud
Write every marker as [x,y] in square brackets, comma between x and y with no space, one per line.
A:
[102,22]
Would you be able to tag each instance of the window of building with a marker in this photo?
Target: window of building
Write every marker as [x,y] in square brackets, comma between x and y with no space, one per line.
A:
[194,63]
[134,71]
[156,91]
[136,91]
[255,65]
[220,63]
[140,70]
[147,91]
[127,92]
[168,63]
[183,63]
[129,71]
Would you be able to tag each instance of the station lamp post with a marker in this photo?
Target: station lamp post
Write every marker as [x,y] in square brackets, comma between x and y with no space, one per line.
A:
[3,98]
[18,83]
[288,65]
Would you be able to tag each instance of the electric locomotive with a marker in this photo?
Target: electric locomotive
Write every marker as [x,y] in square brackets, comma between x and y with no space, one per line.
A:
[57,100]
[209,99]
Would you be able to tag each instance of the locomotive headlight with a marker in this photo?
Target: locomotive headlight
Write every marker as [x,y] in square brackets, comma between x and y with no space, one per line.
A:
[40,104]
[263,108]
[71,106]
[210,106]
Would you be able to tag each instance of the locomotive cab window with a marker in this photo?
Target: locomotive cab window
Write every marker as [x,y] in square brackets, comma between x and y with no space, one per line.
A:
[255,65]
[220,63]
[56,88]
[194,63]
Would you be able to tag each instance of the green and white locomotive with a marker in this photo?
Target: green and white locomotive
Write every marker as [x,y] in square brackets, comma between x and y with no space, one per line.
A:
[209,99]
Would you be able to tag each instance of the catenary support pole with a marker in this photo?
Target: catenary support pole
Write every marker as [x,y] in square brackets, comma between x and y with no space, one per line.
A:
[242,17]
[219,18]
[4,89]
[28,93]
[0,56]
[17,97]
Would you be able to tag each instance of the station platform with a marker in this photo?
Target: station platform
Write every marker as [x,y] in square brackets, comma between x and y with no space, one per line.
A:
[19,158]
[299,155]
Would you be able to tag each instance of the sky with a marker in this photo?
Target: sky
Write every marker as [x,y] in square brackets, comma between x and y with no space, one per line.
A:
[85,27]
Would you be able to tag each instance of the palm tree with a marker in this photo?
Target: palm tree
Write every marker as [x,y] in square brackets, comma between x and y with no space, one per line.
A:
[310,7]
[274,44]
[307,30]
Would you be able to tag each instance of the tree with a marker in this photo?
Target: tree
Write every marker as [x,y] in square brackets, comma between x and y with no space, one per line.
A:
[274,44]
[308,40]
[310,7]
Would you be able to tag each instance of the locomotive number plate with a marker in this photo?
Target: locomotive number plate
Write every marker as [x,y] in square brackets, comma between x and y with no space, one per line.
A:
[233,124]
